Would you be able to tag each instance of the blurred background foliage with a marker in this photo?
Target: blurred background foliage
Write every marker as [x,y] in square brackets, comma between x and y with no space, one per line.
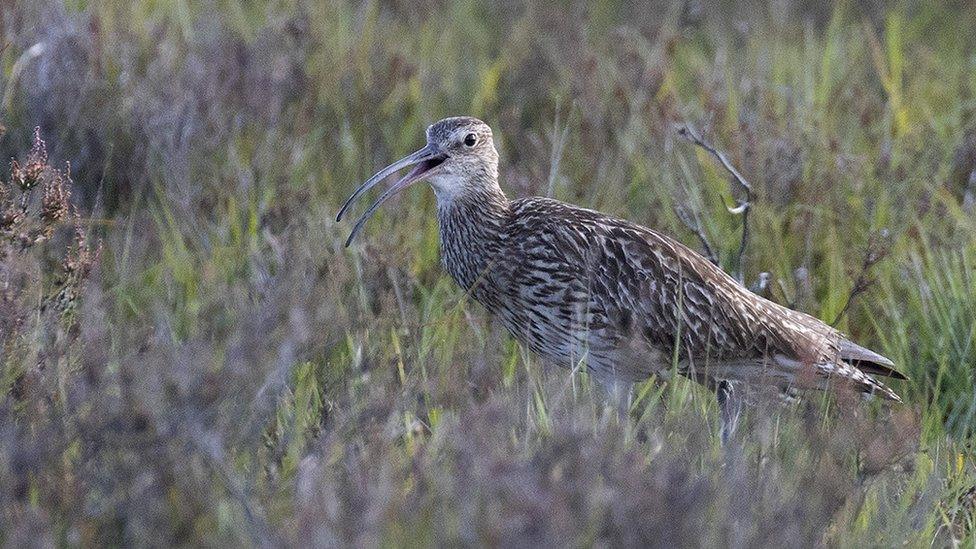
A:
[231,374]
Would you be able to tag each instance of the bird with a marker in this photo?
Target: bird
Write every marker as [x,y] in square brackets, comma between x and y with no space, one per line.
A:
[577,286]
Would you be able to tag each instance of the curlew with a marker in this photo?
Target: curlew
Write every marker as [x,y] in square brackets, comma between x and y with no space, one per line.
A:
[575,285]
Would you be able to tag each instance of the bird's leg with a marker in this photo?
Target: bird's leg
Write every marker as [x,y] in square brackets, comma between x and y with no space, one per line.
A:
[730,408]
[729,403]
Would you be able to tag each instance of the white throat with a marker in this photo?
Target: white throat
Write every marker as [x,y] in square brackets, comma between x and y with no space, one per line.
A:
[447,187]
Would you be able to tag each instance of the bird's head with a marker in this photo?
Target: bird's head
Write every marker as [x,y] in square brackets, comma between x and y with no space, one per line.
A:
[459,158]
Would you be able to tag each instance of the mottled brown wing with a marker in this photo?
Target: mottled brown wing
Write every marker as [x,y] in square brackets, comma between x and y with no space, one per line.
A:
[649,285]
[644,284]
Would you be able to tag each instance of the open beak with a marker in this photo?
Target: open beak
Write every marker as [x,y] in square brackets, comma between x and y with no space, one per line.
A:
[424,160]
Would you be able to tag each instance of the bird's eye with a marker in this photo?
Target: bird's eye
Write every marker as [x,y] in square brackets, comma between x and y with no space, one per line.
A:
[470,139]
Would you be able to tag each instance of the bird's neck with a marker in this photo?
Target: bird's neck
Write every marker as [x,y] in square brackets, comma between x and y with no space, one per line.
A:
[472,228]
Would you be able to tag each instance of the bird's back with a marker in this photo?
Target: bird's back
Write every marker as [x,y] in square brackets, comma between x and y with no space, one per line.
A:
[573,283]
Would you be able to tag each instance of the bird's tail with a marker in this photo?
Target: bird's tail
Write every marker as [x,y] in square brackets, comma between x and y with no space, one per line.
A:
[787,374]
[867,360]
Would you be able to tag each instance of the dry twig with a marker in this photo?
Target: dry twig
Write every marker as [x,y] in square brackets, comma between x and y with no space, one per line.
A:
[691,221]
[742,207]
[877,249]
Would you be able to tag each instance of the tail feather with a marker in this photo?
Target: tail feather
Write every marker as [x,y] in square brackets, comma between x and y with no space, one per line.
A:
[785,373]
[868,384]
[867,360]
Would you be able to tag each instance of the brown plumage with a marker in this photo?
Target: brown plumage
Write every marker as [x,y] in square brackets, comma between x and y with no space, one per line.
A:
[576,285]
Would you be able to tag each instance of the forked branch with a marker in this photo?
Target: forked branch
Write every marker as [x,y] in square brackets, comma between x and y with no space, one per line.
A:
[742,207]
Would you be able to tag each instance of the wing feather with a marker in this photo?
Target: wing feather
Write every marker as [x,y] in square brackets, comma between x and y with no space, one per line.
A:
[646,284]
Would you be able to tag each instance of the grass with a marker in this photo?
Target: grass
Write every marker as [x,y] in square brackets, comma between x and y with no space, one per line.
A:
[232,374]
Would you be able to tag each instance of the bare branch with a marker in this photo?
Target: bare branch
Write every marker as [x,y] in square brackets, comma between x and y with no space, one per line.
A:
[878,248]
[688,132]
[694,226]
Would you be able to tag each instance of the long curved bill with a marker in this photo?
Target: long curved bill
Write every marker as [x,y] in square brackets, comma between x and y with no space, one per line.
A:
[425,160]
